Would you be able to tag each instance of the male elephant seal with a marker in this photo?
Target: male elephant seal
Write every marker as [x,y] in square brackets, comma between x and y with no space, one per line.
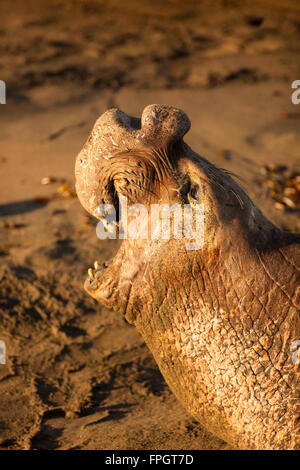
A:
[222,321]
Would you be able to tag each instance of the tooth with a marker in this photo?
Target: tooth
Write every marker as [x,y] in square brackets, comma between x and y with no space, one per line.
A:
[96,265]
[91,273]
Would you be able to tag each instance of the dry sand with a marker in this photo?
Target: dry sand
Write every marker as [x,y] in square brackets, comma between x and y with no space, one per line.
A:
[77,375]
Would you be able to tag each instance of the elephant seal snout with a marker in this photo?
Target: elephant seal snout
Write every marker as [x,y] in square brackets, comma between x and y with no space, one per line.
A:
[222,320]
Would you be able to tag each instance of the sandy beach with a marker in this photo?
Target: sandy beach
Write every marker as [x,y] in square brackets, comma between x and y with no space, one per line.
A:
[78,376]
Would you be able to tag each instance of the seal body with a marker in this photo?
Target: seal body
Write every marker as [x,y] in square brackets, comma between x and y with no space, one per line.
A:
[222,321]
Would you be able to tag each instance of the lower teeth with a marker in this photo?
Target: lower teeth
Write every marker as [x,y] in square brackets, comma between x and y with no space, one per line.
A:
[91,273]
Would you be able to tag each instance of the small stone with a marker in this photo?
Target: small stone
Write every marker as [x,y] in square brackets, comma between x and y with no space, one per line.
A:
[48,180]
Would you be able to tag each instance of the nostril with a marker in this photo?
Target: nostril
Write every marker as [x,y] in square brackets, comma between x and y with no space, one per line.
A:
[135,123]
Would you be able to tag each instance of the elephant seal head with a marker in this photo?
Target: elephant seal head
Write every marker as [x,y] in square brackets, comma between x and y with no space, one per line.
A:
[217,303]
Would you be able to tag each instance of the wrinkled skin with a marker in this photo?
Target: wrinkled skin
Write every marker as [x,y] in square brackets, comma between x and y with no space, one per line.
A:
[220,321]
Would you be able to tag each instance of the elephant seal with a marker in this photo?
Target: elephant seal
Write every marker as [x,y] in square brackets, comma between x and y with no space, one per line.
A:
[222,321]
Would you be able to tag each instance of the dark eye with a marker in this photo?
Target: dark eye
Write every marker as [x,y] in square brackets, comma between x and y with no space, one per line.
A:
[184,190]
[194,192]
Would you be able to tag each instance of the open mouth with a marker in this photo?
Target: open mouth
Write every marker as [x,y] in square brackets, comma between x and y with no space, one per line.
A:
[95,274]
